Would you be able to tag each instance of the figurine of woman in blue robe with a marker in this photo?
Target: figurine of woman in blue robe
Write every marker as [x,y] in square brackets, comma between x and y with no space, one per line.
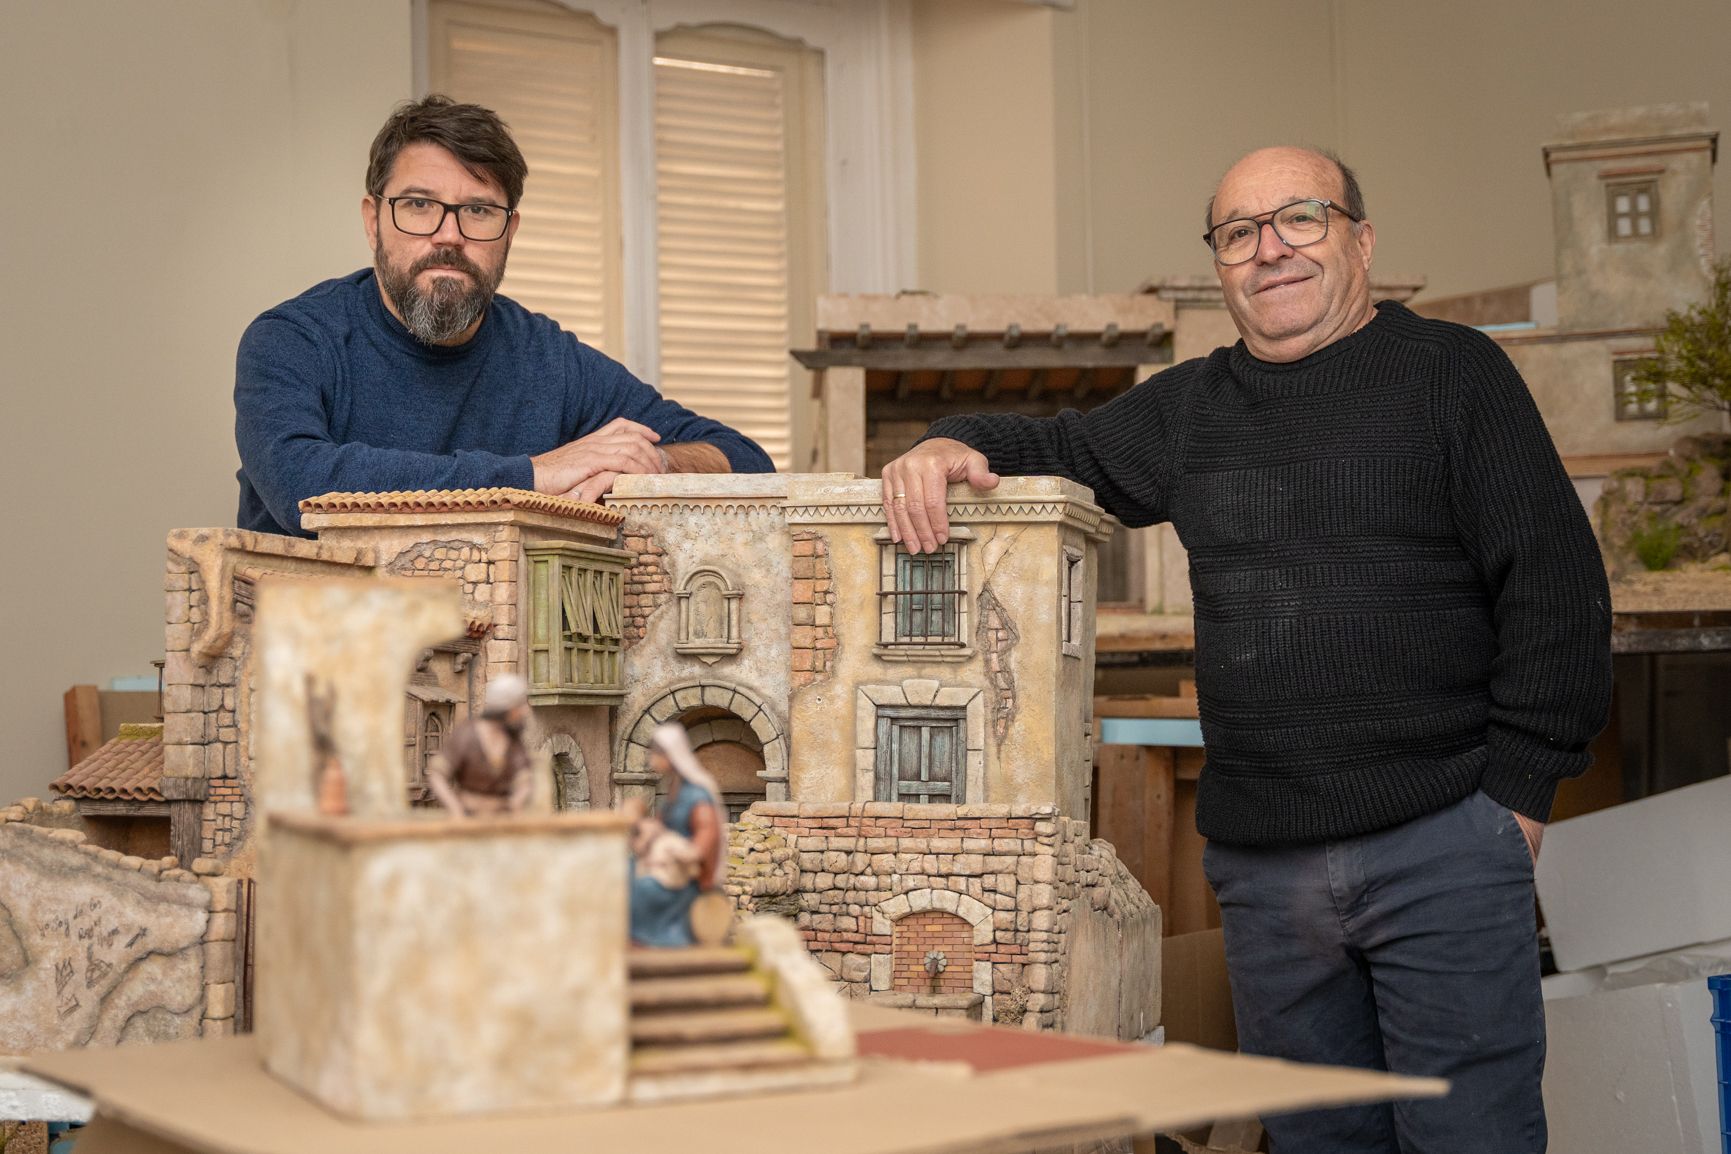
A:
[682,850]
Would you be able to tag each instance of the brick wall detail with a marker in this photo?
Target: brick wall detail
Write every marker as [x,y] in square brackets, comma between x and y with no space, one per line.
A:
[814,640]
[916,937]
[648,585]
[996,638]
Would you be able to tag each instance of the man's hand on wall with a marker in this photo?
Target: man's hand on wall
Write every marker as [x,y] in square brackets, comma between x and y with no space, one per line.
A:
[620,446]
[914,490]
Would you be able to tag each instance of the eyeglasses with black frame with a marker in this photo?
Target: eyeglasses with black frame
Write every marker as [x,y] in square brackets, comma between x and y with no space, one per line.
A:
[422,216]
[1301,223]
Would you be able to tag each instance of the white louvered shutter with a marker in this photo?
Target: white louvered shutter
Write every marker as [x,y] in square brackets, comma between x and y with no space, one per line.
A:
[731,184]
[552,75]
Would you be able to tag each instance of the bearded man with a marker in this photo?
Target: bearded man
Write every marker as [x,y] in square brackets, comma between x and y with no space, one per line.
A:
[416,374]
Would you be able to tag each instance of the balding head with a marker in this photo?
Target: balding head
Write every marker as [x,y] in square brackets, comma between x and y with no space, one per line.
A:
[1350,195]
[1289,300]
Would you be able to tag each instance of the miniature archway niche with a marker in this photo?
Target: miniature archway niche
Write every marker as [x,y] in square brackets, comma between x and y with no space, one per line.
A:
[717,714]
[961,931]
[570,772]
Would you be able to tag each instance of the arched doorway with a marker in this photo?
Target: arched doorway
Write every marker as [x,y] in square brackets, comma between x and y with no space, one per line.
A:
[736,736]
[730,751]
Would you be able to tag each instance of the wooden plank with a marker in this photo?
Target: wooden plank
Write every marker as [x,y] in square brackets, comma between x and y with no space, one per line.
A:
[83,705]
[1119,789]
[1158,801]
[1133,800]
[1116,706]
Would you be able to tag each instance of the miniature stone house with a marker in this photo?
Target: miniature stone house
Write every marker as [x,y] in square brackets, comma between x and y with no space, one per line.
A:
[902,740]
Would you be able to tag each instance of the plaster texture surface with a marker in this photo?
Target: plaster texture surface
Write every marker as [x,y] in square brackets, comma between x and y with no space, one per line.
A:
[425,968]
[94,948]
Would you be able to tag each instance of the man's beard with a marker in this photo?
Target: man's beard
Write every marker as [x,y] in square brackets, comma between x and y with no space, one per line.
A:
[438,314]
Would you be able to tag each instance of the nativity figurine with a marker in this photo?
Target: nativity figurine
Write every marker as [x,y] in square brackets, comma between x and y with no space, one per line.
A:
[485,768]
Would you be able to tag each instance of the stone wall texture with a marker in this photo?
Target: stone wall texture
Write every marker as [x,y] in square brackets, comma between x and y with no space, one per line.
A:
[1674,511]
[1020,878]
[98,948]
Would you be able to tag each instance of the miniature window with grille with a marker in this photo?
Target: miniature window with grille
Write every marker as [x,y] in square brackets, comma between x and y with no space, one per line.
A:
[923,597]
[1635,403]
[576,626]
[1633,210]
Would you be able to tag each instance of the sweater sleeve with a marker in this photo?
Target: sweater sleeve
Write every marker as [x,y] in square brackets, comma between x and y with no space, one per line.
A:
[1523,524]
[284,379]
[1123,450]
[607,389]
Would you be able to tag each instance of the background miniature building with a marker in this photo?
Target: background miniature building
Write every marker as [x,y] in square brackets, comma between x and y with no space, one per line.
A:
[1632,218]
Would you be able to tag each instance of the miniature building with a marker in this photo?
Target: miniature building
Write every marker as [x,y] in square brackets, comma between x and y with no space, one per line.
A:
[904,741]
[1632,216]
[118,790]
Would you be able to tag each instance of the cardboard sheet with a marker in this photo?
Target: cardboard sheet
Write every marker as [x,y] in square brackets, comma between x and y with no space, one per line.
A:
[1195,994]
[1638,879]
[211,1096]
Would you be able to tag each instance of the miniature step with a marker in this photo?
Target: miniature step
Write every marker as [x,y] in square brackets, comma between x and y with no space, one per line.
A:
[670,1027]
[700,991]
[660,963]
[808,1075]
[687,1059]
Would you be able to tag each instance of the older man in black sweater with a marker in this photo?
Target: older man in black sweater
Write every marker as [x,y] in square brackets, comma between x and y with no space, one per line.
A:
[1402,647]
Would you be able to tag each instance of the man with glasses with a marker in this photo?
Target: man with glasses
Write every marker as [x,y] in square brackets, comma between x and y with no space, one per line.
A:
[1402,647]
[415,374]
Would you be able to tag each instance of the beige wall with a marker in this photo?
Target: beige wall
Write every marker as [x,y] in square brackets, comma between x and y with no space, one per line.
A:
[1441,107]
[196,162]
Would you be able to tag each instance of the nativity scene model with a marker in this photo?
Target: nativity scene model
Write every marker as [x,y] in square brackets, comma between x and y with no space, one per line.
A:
[899,746]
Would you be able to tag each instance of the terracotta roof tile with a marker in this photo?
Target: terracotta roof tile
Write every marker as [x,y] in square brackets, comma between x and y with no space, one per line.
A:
[128,768]
[460,501]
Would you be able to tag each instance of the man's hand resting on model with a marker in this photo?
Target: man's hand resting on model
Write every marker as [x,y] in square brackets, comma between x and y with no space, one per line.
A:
[915,485]
[586,468]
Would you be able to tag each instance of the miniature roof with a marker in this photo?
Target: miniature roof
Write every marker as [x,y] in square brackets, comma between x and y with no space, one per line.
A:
[460,501]
[129,768]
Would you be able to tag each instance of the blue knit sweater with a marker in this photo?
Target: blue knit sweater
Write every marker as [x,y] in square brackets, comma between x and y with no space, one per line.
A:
[333,394]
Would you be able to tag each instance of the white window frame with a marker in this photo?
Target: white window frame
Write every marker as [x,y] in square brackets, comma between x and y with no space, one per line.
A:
[868,137]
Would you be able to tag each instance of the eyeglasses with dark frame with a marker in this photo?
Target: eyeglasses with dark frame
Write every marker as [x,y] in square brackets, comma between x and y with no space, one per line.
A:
[423,216]
[1301,223]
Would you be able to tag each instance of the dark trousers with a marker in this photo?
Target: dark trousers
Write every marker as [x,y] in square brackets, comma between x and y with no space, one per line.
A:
[1413,950]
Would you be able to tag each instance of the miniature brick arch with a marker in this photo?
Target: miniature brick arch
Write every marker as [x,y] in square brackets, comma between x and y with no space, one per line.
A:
[769,736]
[888,915]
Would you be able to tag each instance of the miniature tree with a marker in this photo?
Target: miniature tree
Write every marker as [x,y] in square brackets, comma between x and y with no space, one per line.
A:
[1691,365]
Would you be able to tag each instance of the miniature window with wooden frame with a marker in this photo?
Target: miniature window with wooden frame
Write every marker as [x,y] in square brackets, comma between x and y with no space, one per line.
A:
[921,755]
[1632,210]
[923,608]
[1635,402]
[1072,601]
[708,616]
[576,612]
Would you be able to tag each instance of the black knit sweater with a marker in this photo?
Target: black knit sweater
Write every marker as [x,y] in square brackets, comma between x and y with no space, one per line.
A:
[1398,597]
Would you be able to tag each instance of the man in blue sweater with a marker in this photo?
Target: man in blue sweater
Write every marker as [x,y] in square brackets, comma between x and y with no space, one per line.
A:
[415,374]
[1402,648]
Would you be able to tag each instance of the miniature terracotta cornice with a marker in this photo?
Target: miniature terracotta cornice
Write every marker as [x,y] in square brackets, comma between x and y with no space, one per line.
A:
[461,501]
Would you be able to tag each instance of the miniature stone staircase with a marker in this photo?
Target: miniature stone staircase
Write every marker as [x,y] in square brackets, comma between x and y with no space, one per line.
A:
[704,1021]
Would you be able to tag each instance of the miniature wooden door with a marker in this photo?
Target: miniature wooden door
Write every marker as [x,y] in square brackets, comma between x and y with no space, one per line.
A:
[920,756]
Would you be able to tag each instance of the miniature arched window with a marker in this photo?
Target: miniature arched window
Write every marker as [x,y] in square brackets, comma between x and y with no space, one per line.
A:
[432,739]
[708,616]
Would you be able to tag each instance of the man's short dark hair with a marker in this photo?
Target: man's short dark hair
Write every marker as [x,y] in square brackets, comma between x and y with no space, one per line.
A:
[1354,196]
[474,135]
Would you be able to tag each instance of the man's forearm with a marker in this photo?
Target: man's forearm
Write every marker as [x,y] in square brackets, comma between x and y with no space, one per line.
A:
[696,457]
